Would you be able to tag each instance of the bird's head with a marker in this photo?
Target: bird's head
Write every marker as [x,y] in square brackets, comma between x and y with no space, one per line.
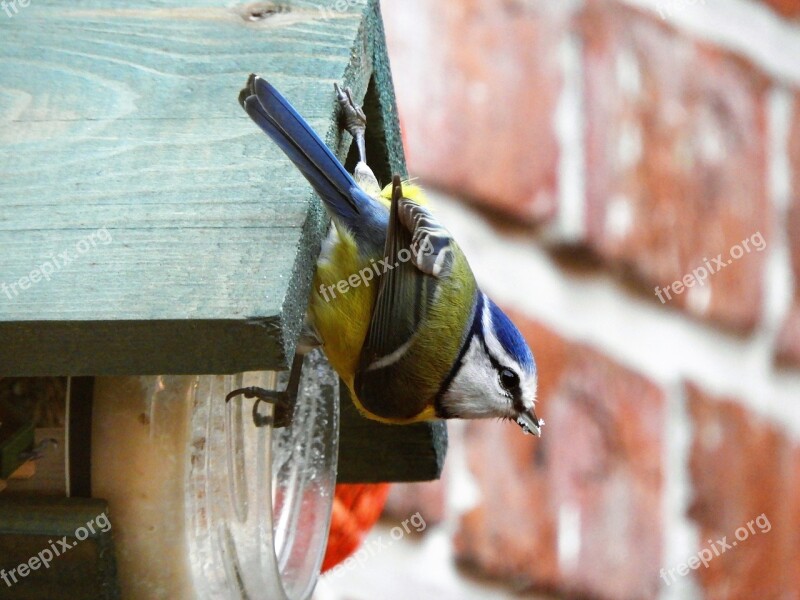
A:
[496,377]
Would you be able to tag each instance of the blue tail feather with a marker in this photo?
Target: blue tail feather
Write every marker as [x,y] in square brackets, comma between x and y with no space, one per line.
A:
[281,122]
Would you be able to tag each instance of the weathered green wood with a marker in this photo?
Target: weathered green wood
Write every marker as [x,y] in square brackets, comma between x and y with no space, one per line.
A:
[31,525]
[371,452]
[126,119]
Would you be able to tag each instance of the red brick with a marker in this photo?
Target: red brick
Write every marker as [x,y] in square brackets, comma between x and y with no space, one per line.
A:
[787,8]
[600,457]
[477,83]
[676,159]
[791,544]
[788,351]
[793,232]
[741,467]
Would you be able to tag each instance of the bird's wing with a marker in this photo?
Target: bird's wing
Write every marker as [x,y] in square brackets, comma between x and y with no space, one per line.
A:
[430,241]
[418,258]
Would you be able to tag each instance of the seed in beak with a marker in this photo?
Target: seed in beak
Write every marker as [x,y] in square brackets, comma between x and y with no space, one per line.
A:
[530,423]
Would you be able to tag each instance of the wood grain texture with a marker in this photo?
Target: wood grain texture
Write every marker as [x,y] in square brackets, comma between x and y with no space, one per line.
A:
[125,120]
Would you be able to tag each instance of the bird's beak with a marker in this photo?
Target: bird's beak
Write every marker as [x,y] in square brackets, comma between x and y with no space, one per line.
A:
[530,423]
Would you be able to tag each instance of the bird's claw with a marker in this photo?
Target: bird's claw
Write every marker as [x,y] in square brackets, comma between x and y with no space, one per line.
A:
[354,120]
[282,402]
[282,408]
[352,113]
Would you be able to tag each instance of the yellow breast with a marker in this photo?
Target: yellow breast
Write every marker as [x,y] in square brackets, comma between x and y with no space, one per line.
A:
[345,285]
[341,311]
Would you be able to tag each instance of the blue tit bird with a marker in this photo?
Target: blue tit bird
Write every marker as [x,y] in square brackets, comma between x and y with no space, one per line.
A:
[415,338]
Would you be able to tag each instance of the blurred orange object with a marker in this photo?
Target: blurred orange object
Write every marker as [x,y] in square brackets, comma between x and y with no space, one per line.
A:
[356,508]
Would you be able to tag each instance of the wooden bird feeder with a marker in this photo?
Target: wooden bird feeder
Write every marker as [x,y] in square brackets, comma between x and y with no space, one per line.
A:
[157,252]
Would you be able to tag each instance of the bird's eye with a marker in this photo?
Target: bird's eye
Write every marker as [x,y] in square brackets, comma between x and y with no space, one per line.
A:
[509,380]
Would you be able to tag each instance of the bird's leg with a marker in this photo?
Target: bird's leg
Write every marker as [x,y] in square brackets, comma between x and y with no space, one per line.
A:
[353,119]
[354,122]
[283,402]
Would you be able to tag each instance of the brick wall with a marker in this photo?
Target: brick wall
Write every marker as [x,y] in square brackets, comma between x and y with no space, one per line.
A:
[599,151]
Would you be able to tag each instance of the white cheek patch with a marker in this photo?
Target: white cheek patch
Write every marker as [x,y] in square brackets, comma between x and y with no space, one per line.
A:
[529,386]
[475,392]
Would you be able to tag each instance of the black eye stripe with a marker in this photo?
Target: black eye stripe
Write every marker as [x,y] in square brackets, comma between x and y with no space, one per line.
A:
[516,393]
[495,363]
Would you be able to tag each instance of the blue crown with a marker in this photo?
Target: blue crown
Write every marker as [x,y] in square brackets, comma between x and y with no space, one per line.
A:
[511,339]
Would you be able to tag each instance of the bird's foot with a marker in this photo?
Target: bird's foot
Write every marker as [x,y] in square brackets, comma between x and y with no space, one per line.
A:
[282,402]
[354,120]
[281,412]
